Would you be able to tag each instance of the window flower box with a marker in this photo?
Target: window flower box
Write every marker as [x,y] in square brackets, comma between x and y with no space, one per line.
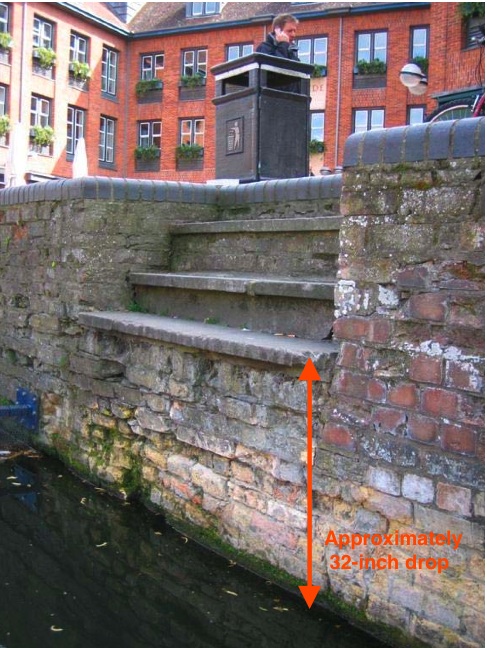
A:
[370,74]
[6,44]
[192,88]
[45,57]
[79,74]
[42,136]
[4,125]
[189,157]
[151,152]
[319,71]
[149,90]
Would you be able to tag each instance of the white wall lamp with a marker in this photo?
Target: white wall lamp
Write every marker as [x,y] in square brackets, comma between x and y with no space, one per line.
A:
[413,78]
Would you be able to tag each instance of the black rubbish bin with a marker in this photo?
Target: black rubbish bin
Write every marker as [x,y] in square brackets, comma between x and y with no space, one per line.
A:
[262,118]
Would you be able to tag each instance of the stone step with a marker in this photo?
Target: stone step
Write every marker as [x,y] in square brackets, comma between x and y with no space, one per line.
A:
[278,350]
[300,224]
[235,282]
[302,307]
[281,246]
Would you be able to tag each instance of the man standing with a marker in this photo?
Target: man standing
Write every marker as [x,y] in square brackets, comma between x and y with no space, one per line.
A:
[281,40]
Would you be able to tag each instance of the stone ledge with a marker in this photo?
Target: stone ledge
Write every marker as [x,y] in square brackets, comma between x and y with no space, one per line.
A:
[234,282]
[104,188]
[278,350]
[318,224]
[461,138]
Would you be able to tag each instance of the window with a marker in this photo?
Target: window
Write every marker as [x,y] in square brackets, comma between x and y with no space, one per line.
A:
[313,50]
[40,111]
[192,131]
[78,48]
[416,114]
[195,62]
[109,67]
[75,128]
[3,100]
[106,148]
[318,126]
[372,46]
[3,17]
[368,119]
[43,33]
[419,42]
[203,8]
[3,110]
[237,51]
[150,65]
[150,133]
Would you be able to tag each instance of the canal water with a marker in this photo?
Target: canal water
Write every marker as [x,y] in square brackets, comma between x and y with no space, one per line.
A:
[79,569]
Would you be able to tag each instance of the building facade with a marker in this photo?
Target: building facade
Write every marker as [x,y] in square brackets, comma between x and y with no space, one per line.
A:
[134,79]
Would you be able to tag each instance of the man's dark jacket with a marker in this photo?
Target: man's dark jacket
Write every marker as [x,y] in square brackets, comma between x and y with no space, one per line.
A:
[274,48]
[282,50]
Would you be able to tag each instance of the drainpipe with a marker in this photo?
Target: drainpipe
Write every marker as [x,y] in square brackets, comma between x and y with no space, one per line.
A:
[339,94]
[22,60]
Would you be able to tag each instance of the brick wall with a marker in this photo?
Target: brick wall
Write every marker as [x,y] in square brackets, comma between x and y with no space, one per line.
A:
[451,67]
[218,441]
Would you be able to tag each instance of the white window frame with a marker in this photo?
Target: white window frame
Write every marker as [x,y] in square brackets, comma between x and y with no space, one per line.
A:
[192,131]
[371,48]
[313,50]
[150,133]
[106,147]
[368,119]
[4,17]
[76,120]
[150,65]
[195,61]
[43,35]
[416,115]
[236,51]
[78,48]
[109,71]
[419,45]
[317,126]
[40,111]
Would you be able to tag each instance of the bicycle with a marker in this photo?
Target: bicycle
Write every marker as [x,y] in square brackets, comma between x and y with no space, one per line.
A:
[461,108]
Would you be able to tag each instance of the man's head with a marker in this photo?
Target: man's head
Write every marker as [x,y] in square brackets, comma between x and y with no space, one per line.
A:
[286,23]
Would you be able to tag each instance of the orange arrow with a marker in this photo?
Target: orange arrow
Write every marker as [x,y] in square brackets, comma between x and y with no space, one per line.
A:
[310,591]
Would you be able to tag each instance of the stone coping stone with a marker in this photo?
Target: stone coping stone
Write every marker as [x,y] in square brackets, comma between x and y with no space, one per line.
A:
[317,224]
[130,189]
[234,282]
[264,347]
[442,140]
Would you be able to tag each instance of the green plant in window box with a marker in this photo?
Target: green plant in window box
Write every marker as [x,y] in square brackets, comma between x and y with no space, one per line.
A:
[422,62]
[4,125]
[80,70]
[146,85]
[319,71]
[371,67]
[151,152]
[189,152]
[46,57]
[6,41]
[472,9]
[42,135]
[316,146]
[193,81]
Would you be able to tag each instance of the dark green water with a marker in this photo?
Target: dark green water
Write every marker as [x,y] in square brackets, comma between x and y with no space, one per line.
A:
[79,569]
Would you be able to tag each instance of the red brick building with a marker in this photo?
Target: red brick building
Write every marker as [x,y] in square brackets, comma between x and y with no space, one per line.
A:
[126,76]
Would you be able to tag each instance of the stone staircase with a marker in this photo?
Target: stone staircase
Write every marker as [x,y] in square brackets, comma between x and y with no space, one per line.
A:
[261,289]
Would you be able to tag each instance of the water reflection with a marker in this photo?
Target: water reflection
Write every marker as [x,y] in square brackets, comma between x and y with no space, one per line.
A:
[81,570]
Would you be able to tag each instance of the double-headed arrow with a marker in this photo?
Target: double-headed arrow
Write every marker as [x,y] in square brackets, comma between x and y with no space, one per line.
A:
[310,591]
